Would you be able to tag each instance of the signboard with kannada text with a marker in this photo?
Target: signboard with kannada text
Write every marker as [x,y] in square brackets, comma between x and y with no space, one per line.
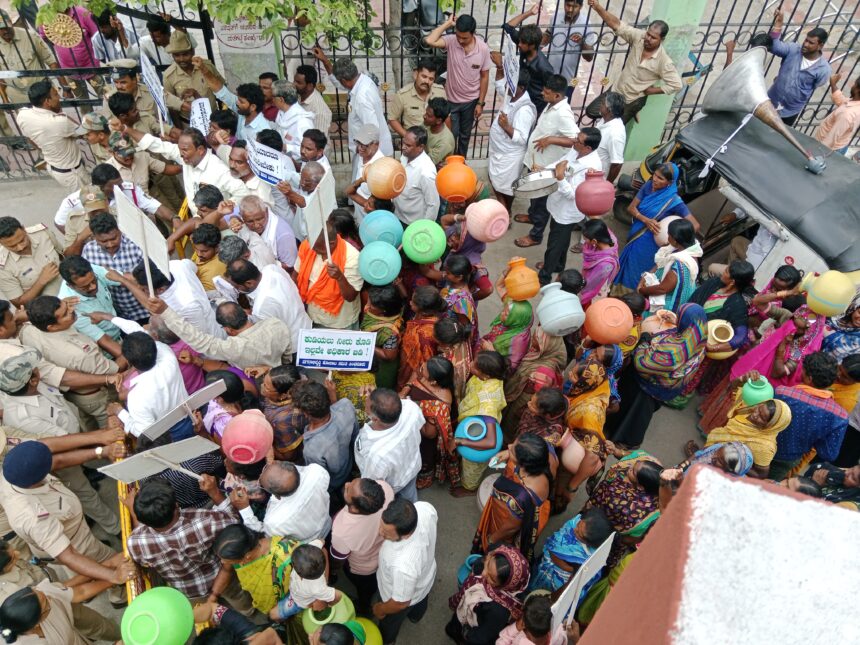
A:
[267,163]
[327,349]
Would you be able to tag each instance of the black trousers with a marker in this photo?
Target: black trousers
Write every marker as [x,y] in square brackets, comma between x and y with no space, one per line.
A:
[462,122]
[366,587]
[555,256]
[389,626]
[849,454]
[539,216]
[789,120]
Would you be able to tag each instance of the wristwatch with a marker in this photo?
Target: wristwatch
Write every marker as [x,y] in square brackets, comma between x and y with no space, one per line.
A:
[99,452]
[482,103]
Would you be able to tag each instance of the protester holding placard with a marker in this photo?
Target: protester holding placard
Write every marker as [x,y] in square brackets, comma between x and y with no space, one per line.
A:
[329,281]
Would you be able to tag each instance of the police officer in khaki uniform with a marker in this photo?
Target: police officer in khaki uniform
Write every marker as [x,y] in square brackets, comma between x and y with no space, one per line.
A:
[54,133]
[20,572]
[77,230]
[48,516]
[125,81]
[20,50]
[94,128]
[51,331]
[40,410]
[409,103]
[181,80]
[138,166]
[29,261]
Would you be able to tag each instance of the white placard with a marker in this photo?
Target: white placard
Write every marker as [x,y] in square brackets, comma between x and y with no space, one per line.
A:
[267,163]
[511,64]
[566,604]
[325,349]
[319,205]
[134,224]
[201,110]
[151,462]
[153,83]
[184,409]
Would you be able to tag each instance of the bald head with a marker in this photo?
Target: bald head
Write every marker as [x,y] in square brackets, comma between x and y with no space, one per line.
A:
[385,405]
[255,213]
[281,478]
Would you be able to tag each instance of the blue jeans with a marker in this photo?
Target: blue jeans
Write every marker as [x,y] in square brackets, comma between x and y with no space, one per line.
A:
[842,151]
[182,430]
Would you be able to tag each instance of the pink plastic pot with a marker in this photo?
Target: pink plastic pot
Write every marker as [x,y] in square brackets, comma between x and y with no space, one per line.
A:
[487,220]
[247,437]
[595,196]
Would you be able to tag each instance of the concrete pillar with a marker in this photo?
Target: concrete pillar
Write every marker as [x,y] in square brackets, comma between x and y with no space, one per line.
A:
[683,17]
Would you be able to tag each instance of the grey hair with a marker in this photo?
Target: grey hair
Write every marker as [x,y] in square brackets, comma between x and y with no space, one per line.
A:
[286,91]
[252,202]
[316,171]
[345,70]
[232,248]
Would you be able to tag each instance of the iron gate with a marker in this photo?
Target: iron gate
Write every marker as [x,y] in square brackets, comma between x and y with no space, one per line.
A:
[397,43]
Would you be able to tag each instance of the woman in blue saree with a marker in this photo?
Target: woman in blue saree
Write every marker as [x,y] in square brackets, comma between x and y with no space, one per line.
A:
[655,201]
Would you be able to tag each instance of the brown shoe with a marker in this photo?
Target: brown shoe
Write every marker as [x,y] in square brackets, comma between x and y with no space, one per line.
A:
[525,242]
[523,218]
[576,248]
[539,266]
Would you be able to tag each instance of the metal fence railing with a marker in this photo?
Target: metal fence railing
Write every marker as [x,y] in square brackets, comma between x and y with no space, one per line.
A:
[397,43]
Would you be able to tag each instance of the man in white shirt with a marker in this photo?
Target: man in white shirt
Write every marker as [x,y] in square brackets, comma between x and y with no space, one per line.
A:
[613,135]
[182,292]
[272,294]
[305,80]
[367,147]
[298,507]
[566,217]
[388,445]
[115,39]
[254,249]
[199,165]
[248,343]
[276,233]
[548,143]
[420,199]
[365,105]
[237,160]
[292,120]
[157,388]
[407,564]
[153,43]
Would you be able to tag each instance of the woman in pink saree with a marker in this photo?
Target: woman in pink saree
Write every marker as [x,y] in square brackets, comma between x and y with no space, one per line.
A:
[599,261]
[780,353]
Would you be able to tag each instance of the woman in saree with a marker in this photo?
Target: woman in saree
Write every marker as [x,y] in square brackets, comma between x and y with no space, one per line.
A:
[583,448]
[673,278]
[456,292]
[731,457]
[600,262]
[780,353]
[842,337]
[756,427]
[510,332]
[432,389]
[262,566]
[628,495]
[489,598]
[568,548]
[769,302]
[540,367]
[418,343]
[382,314]
[846,392]
[655,201]
[663,365]
[518,507]
[725,297]
[452,338]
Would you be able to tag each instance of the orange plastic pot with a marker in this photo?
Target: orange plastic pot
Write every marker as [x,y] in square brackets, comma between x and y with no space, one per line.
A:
[456,181]
[521,283]
[386,178]
[608,321]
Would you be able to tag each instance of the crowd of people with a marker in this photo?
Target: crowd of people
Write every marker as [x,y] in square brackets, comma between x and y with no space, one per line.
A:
[98,344]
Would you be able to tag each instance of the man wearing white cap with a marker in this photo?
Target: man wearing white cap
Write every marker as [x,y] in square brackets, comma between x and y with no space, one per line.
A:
[367,147]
